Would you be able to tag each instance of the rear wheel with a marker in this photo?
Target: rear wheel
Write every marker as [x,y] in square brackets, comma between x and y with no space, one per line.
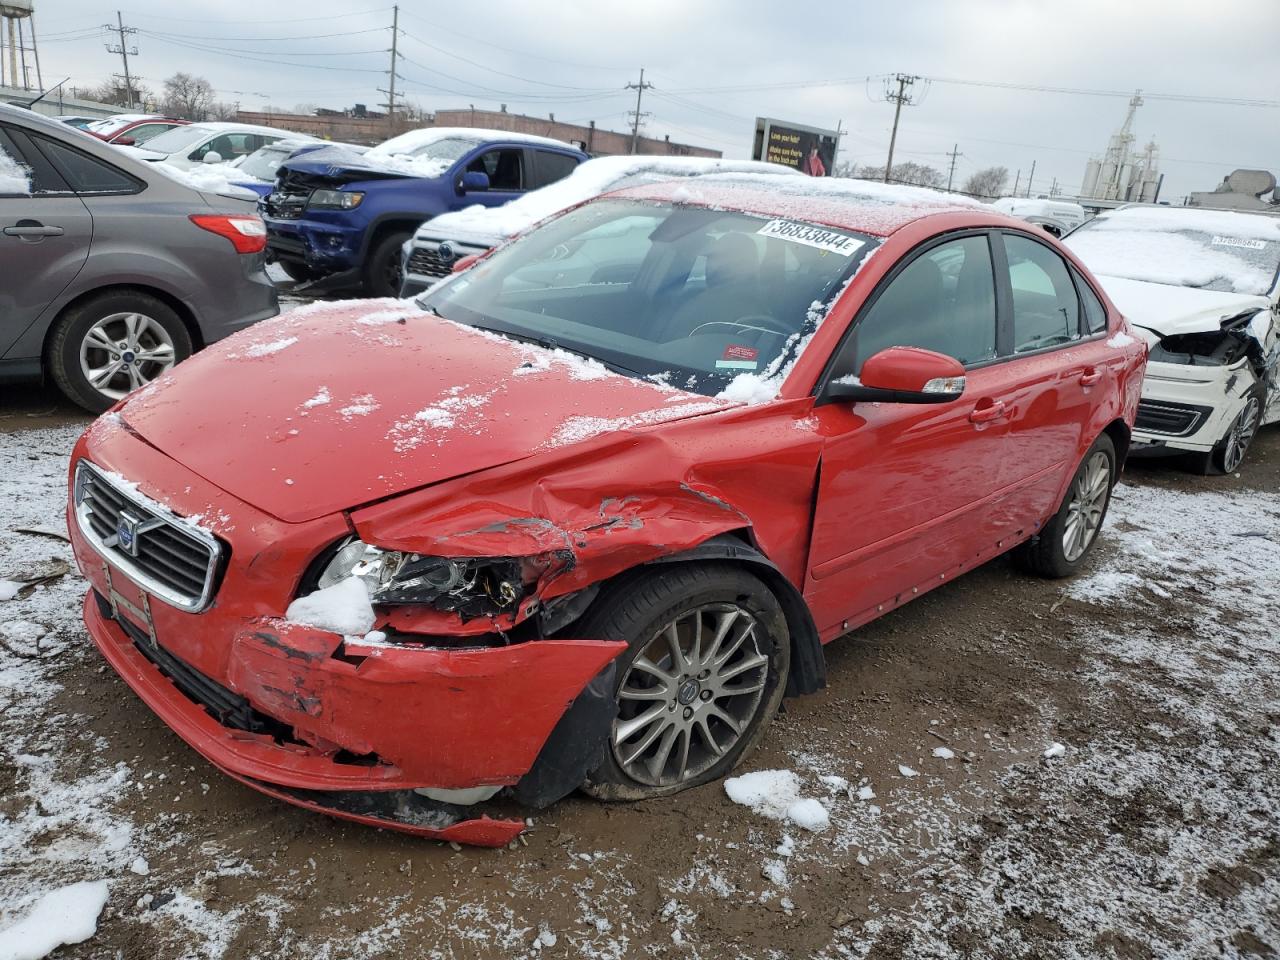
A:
[1229,453]
[384,273]
[1060,549]
[112,344]
[704,674]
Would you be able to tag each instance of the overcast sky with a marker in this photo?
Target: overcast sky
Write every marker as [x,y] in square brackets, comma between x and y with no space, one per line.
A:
[573,58]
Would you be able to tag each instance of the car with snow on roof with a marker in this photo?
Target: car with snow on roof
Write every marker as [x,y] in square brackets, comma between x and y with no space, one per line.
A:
[442,243]
[1202,288]
[192,144]
[521,539]
[1058,217]
[132,129]
[337,222]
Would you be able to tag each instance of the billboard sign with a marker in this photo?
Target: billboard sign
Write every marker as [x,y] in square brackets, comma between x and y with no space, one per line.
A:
[810,150]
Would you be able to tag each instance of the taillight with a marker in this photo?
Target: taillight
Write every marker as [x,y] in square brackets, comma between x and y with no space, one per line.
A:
[247,234]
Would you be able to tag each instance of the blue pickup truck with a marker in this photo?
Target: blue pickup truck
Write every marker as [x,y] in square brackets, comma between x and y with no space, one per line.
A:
[336,220]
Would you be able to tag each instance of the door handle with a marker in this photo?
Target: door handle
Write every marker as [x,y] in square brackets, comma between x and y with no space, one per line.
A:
[1090,377]
[28,229]
[993,411]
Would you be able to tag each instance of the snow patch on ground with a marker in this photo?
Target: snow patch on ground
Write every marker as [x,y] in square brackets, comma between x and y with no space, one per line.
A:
[66,915]
[776,794]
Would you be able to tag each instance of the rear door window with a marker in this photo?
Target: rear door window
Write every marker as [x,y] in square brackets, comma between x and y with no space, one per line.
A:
[1095,314]
[1046,308]
[84,173]
[548,167]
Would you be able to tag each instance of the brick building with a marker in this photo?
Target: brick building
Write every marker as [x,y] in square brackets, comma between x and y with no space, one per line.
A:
[592,139]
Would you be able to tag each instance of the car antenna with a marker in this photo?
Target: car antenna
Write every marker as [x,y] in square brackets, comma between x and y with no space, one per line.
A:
[31,103]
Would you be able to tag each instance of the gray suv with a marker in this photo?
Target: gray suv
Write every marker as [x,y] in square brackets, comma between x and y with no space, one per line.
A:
[111,270]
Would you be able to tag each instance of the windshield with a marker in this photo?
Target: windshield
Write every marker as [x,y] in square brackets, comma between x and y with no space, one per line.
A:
[178,139]
[687,296]
[415,144]
[1210,250]
[264,163]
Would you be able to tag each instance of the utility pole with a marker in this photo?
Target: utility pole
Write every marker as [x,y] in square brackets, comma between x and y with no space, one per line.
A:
[636,117]
[897,99]
[1016,180]
[124,50]
[954,154]
[391,94]
[1031,178]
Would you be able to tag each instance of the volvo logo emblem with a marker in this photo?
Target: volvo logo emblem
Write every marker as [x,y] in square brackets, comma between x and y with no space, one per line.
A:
[445,251]
[127,534]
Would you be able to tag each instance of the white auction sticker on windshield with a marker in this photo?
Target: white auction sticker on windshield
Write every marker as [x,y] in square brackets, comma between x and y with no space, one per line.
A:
[811,236]
[1238,242]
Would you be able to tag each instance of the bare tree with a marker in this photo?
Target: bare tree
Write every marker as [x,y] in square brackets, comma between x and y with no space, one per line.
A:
[113,91]
[188,96]
[917,174]
[988,183]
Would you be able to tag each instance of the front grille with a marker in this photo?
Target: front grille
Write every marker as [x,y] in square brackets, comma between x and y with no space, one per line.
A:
[173,559]
[428,263]
[226,706]
[286,202]
[1172,419]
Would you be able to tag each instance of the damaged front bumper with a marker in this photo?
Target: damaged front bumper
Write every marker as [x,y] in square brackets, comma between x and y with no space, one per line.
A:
[1188,408]
[304,719]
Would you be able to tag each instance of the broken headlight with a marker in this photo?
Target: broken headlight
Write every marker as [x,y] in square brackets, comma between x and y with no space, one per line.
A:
[472,586]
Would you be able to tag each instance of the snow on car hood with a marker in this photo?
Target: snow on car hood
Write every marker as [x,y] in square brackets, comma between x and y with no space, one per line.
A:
[335,405]
[1171,310]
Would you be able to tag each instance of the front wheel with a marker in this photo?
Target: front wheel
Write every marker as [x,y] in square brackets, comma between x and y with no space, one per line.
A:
[704,674]
[1060,549]
[1229,453]
[384,273]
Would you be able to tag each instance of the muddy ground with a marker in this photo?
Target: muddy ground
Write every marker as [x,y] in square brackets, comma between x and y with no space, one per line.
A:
[1156,834]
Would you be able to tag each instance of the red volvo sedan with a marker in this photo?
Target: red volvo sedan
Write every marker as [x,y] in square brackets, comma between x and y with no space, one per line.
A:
[582,514]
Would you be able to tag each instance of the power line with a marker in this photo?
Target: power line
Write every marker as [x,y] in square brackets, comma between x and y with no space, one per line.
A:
[474,63]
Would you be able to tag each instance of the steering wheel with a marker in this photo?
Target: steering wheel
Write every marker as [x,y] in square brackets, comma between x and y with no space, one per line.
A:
[774,325]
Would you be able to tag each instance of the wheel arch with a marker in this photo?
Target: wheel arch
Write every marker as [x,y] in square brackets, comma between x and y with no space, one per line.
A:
[1120,435]
[169,300]
[808,663]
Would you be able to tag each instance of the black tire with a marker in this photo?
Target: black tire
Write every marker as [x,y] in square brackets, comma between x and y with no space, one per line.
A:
[384,272]
[1232,448]
[1046,554]
[70,330]
[638,610]
[297,272]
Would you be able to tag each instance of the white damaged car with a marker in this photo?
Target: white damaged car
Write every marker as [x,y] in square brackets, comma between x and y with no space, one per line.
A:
[1201,287]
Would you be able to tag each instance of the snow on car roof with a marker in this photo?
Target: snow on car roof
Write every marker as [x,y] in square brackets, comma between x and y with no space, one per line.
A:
[412,140]
[589,179]
[864,205]
[1231,223]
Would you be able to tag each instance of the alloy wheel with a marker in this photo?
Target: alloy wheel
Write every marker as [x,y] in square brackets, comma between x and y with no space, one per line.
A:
[690,695]
[1240,435]
[1089,493]
[124,351]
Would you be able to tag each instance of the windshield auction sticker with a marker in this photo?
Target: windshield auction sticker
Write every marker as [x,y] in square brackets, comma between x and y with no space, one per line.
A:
[1238,242]
[812,236]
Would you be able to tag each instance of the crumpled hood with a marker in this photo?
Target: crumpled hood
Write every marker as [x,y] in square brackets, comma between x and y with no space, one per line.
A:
[336,405]
[1168,310]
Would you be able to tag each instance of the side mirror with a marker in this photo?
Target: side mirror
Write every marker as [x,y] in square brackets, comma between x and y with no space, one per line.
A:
[902,375]
[475,181]
[125,141]
[465,263]
[213,156]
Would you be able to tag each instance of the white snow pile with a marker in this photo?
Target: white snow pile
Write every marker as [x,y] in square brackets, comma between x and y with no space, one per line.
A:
[776,794]
[491,225]
[218,178]
[576,429]
[1234,252]
[342,608]
[14,178]
[270,347]
[66,915]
